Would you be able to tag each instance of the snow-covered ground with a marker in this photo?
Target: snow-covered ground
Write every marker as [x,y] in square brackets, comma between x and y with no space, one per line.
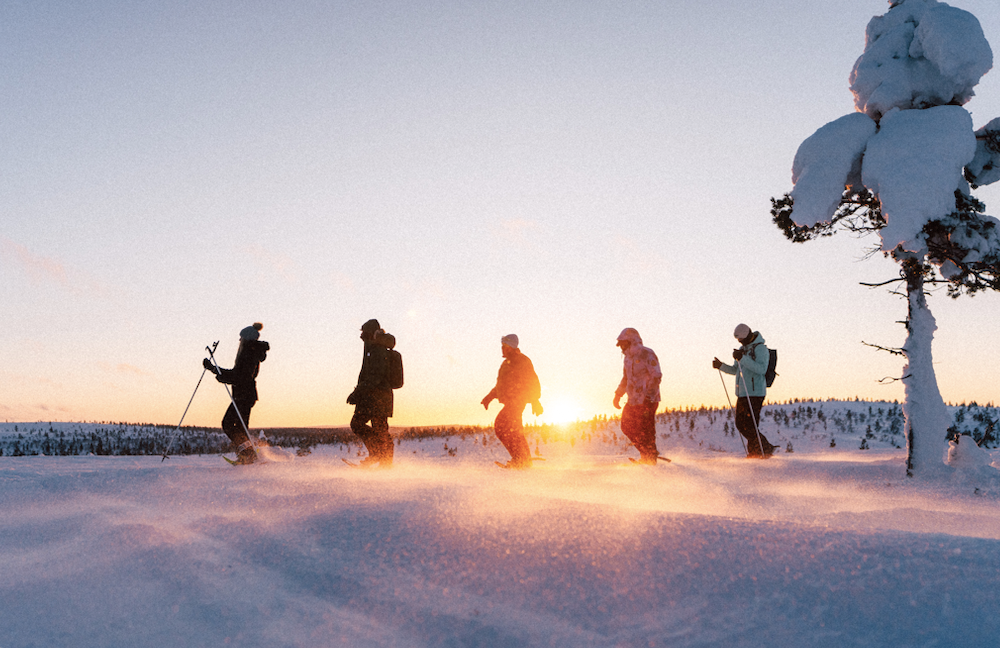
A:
[818,547]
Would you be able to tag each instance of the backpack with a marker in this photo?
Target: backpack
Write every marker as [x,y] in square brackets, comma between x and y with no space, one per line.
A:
[772,362]
[395,369]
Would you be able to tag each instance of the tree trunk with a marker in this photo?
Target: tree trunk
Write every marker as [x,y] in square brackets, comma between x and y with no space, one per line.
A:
[926,415]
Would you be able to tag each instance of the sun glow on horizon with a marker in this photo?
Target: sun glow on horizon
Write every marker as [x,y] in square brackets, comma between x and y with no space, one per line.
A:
[561,410]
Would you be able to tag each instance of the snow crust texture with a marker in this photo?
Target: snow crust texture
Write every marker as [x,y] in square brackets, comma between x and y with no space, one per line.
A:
[821,547]
[914,164]
[921,53]
[985,166]
[826,162]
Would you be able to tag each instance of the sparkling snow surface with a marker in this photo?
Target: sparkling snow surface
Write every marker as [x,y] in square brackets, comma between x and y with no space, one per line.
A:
[820,547]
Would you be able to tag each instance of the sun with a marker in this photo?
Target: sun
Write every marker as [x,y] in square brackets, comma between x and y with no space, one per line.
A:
[560,410]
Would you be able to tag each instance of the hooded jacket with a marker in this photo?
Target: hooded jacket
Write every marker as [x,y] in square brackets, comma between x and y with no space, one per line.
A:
[641,374]
[752,367]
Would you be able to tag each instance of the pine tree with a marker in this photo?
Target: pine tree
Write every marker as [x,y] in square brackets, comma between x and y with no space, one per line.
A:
[957,246]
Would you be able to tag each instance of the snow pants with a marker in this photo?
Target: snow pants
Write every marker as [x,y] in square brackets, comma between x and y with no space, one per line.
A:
[376,436]
[747,422]
[231,422]
[639,425]
[509,429]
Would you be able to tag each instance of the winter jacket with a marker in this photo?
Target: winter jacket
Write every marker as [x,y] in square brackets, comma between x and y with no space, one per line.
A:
[641,374]
[753,365]
[373,393]
[517,382]
[243,375]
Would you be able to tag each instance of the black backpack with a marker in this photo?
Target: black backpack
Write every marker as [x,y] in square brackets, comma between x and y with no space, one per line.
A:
[772,362]
[395,369]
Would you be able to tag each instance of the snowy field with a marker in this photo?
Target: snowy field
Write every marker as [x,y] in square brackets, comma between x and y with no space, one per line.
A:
[818,547]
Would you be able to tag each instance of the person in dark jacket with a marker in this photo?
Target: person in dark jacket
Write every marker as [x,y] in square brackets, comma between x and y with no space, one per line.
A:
[517,385]
[751,388]
[372,398]
[243,378]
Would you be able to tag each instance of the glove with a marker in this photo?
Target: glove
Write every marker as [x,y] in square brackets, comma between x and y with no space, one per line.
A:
[737,354]
[536,408]
[716,363]
[208,365]
[618,401]
[353,398]
[486,402]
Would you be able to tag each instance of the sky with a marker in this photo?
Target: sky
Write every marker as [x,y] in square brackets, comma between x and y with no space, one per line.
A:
[171,172]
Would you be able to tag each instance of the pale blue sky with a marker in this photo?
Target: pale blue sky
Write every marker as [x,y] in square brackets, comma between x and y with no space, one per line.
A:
[172,171]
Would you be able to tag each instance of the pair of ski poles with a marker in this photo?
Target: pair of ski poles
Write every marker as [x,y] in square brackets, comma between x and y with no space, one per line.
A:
[215,364]
[753,417]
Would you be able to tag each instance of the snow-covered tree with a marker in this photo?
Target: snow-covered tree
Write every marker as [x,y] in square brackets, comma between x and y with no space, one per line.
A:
[902,167]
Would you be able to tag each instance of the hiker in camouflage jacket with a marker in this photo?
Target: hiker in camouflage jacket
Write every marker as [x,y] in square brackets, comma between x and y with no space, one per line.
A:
[641,377]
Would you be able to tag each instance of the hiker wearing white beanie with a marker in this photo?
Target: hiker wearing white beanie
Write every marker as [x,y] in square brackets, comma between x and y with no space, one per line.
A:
[517,385]
[750,367]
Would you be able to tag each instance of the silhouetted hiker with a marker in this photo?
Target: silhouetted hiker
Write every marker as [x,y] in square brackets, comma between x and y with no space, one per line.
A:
[641,382]
[372,398]
[517,385]
[243,378]
[751,388]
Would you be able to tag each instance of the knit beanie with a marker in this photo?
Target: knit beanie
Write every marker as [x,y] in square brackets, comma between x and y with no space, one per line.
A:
[509,340]
[742,332]
[251,333]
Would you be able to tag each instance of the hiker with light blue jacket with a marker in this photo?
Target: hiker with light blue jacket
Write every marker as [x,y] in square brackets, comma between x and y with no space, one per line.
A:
[750,365]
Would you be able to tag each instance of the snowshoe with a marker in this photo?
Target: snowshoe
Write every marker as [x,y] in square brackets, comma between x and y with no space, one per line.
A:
[368,462]
[514,465]
[245,458]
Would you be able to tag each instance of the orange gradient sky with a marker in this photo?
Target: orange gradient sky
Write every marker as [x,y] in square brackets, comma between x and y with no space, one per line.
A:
[172,172]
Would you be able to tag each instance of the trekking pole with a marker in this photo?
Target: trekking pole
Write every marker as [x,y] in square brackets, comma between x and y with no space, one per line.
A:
[178,429]
[218,371]
[726,389]
[756,428]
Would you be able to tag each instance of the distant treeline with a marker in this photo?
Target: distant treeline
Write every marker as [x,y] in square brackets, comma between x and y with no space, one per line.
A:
[869,421]
[127,439]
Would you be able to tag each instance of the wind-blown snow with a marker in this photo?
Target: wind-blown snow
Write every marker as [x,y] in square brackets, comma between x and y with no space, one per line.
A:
[914,164]
[820,547]
[921,53]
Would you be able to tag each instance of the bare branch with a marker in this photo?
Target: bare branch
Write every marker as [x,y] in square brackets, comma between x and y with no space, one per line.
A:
[881,283]
[892,350]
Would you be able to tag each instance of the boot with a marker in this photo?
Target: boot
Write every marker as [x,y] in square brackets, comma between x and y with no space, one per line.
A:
[245,454]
